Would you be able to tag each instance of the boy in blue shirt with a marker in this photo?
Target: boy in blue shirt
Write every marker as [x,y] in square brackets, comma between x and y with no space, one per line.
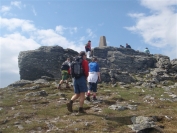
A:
[94,76]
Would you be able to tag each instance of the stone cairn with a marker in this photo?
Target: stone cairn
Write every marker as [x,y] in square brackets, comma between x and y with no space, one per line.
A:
[102,41]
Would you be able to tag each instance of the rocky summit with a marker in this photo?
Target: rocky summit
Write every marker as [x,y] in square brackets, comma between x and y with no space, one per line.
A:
[116,64]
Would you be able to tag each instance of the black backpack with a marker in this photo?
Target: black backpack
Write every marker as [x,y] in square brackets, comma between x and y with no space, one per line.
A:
[76,67]
[65,66]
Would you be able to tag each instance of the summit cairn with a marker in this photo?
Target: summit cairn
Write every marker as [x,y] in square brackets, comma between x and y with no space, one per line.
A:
[102,41]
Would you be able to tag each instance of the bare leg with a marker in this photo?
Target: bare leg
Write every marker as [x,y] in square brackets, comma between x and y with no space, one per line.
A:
[59,85]
[61,81]
[75,96]
[82,98]
[70,104]
[66,82]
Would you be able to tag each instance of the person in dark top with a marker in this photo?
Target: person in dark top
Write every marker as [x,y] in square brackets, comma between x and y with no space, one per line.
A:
[88,48]
[121,46]
[80,86]
[65,71]
[128,46]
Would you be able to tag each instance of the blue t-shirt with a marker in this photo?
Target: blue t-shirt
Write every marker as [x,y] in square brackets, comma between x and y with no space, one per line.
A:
[93,67]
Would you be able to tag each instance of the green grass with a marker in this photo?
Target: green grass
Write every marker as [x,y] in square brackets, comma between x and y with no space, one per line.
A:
[52,108]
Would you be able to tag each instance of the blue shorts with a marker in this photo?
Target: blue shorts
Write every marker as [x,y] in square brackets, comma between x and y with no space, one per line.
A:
[93,87]
[80,85]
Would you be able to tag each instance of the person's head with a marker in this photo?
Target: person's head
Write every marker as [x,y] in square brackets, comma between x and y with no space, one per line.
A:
[83,54]
[89,41]
[94,59]
[146,48]
[126,44]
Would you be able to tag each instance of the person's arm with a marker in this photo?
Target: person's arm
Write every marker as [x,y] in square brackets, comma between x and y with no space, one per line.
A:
[85,67]
[99,77]
[98,72]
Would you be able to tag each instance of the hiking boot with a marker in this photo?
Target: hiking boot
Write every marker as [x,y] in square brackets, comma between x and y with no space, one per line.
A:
[59,86]
[88,98]
[69,107]
[94,98]
[81,110]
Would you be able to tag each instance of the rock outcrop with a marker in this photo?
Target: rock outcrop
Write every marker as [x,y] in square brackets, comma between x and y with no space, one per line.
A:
[116,64]
[45,61]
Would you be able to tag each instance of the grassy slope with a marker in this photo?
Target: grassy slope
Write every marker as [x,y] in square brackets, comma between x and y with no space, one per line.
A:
[34,113]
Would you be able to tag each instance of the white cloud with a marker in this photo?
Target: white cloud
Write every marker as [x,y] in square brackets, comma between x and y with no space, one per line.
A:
[60,29]
[34,11]
[158,5]
[90,33]
[136,15]
[17,4]
[160,28]
[14,23]
[50,37]
[82,39]
[73,30]
[5,9]
[11,45]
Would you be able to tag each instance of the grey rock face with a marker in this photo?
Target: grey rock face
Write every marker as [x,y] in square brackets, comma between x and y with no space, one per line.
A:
[45,61]
[174,65]
[102,41]
[123,59]
[20,83]
[116,64]
[163,61]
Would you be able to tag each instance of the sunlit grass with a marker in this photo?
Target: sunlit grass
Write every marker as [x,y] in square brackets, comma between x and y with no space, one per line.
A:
[39,110]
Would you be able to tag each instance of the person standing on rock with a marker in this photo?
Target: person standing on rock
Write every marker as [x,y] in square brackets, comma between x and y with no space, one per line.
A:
[65,71]
[80,83]
[146,50]
[94,76]
[121,46]
[88,48]
[127,45]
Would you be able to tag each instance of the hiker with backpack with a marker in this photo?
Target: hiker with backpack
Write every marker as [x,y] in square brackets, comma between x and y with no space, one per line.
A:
[65,72]
[94,76]
[79,71]
[88,48]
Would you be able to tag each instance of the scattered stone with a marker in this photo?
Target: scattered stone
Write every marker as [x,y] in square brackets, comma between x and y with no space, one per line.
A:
[38,93]
[141,123]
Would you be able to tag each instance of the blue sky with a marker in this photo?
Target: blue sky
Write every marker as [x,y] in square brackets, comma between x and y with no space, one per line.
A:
[29,24]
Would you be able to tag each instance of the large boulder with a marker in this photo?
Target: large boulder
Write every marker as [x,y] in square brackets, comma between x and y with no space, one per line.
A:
[45,61]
